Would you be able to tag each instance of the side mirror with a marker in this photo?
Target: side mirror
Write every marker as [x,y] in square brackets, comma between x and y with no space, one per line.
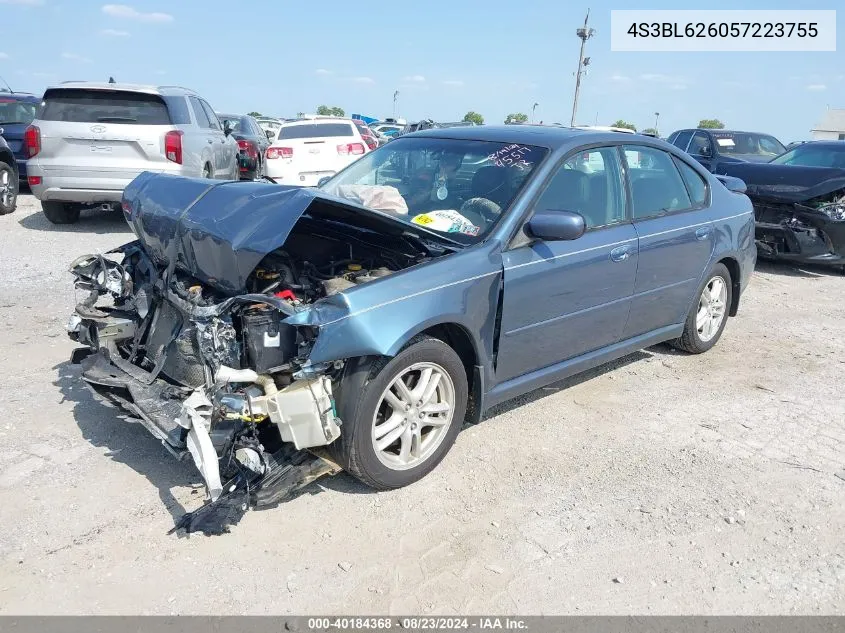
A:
[227,130]
[706,151]
[269,134]
[736,185]
[554,226]
[323,180]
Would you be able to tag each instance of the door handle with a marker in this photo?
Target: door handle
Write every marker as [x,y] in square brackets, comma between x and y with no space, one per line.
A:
[620,253]
[702,233]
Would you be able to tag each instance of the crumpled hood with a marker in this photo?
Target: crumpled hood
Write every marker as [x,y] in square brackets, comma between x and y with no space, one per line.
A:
[220,231]
[785,183]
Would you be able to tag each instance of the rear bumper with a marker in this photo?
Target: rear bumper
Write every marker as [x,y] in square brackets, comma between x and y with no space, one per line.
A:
[291,176]
[88,186]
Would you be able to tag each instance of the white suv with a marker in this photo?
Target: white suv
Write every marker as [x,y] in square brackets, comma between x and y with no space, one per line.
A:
[89,140]
[307,150]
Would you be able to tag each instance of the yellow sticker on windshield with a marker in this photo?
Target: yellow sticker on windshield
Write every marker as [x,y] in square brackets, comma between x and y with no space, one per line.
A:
[422,219]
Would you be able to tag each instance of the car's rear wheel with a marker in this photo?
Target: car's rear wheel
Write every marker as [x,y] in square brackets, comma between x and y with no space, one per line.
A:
[8,189]
[401,415]
[708,316]
[61,212]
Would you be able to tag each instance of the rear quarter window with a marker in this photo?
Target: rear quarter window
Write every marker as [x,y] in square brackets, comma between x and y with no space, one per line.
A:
[104,106]
[316,130]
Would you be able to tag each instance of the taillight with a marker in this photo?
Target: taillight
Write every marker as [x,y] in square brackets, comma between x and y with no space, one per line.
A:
[173,146]
[350,148]
[33,180]
[127,209]
[370,141]
[279,152]
[32,140]
[248,147]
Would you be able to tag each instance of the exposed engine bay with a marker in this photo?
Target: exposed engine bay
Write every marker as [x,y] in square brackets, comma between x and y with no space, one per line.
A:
[219,376]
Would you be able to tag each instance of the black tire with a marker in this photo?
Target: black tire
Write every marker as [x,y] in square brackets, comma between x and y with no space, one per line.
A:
[61,212]
[11,195]
[206,171]
[358,396]
[690,340]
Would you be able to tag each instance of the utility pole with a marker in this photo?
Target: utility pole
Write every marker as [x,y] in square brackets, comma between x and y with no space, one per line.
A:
[656,119]
[395,96]
[533,109]
[584,33]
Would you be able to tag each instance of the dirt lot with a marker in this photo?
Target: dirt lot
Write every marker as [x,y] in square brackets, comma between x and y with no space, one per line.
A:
[663,484]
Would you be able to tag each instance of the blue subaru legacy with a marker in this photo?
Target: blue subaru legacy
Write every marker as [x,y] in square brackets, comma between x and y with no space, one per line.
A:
[435,277]
[17,110]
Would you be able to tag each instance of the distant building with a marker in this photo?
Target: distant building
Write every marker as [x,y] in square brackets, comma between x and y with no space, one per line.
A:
[831,127]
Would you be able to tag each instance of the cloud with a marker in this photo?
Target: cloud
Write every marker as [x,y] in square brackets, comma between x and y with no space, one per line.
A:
[817,87]
[114,33]
[362,80]
[161,72]
[673,82]
[621,79]
[4,56]
[322,71]
[414,79]
[457,83]
[130,13]
[75,58]
[29,3]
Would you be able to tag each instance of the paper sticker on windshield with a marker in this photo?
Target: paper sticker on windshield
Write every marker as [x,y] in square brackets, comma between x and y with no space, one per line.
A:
[725,142]
[446,221]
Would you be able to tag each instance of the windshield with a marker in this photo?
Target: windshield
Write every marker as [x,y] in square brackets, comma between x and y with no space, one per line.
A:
[455,187]
[16,112]
[748,144]
[813,156]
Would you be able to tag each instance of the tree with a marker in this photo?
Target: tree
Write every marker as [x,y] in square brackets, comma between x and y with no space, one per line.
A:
[711,124]
[625,124]
[325,110]
[650,130]
[518,117]
[473,117]
[254,114]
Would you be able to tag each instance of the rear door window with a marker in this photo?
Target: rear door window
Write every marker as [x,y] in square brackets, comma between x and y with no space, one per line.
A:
[682,139]
[199,113]
[104,106]
[210,115]
[656,185]
[316,130]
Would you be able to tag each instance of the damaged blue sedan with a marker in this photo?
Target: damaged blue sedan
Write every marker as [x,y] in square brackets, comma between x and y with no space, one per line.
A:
[277,334]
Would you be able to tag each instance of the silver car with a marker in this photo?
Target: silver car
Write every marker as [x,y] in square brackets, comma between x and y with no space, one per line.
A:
[89,140]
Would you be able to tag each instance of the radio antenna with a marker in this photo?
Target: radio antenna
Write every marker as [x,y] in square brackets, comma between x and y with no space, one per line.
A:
[7,85]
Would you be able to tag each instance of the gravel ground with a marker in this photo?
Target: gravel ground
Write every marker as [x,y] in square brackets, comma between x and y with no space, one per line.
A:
[664,483]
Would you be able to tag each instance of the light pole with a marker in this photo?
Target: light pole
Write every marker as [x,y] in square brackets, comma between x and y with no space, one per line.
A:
[656,119]
[584,33]
[395,96]
[533,109]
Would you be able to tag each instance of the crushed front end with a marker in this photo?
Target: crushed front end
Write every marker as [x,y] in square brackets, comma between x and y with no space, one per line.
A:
[185,329]
[221,379]
[812,231]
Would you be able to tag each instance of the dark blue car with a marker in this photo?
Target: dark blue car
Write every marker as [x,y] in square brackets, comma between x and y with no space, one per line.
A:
[434,278]
[17,110]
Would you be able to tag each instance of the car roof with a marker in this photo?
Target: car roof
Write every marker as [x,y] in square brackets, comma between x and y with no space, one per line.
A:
[145,88]
[824,143]
[550,136]
[719,131]
[19,96]
[307,121]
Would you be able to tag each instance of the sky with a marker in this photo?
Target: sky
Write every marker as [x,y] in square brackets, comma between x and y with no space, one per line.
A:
[444,57]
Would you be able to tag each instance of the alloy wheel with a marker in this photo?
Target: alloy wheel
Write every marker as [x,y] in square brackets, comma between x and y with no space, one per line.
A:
[712,308]
[413,416]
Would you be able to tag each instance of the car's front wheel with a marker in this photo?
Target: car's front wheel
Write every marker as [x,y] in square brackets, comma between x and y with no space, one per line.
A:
[401,415]
[708,316]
